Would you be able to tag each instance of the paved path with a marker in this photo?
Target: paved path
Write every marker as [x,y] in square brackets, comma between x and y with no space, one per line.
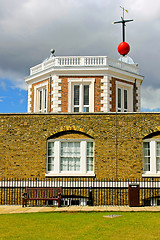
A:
[7,209]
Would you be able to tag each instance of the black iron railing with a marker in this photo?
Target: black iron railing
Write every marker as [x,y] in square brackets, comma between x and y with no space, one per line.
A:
[83,191]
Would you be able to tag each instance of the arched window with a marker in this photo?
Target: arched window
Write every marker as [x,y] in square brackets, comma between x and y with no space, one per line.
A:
[70,154]
[151,155]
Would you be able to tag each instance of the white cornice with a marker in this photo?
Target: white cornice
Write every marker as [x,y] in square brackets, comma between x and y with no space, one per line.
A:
[82,71]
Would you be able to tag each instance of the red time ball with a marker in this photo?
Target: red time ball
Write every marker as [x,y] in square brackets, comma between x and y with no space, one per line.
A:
[123,48]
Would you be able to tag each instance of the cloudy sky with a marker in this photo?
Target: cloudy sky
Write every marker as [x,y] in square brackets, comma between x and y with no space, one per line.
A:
[30,28]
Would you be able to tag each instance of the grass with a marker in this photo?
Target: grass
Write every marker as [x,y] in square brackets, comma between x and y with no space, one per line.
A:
[76,226]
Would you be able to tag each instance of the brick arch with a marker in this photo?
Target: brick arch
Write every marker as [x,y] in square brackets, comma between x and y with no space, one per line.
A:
[150,130]
[152,135]
[60,133]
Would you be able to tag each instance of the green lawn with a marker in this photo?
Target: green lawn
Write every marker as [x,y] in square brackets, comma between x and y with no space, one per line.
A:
[74,226]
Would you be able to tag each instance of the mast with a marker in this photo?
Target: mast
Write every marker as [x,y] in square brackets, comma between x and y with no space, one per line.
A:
[123,21]
[123,47]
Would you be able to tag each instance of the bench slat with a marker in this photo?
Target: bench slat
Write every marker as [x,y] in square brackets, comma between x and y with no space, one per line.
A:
[46,193]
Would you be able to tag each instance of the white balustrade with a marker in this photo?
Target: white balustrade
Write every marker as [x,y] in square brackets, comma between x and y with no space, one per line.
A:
[82,62]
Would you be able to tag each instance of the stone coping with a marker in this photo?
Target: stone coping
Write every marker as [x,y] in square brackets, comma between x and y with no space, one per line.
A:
[82,113]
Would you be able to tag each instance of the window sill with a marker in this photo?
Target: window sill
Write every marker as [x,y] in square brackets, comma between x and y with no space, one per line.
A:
[70,175]
[151,175]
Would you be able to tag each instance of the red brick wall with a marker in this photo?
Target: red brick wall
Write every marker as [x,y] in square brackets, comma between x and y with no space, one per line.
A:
[64,92]
[97,94]
[113,94]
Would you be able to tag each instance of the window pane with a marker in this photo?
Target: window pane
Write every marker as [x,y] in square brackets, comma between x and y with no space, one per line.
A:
[50,144]
[146,156]
[50,163]
[146,164]
[64,164]
[45,99]
[90,156]
[76,94]
[76,109]
[146,149]
[86,95]
[50,152]
[90,149]
[158,156]
[89,163]
[50,167]
[50,148]
[50,156]
[158,148]
[86,109]
[158,163]
[40,100]
[125,99]
[51,160]
[70,156]
[119,98]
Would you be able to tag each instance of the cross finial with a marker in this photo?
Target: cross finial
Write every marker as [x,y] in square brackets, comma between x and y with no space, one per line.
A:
[123,23]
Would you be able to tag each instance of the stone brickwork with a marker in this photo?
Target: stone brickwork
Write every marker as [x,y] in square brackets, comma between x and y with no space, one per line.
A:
[117,137]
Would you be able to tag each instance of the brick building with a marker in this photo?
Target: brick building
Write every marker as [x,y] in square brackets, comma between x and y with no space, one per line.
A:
[83,120]
[84,84]
[98,145]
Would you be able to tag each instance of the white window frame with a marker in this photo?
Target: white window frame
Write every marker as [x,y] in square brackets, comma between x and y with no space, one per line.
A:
[57,158]
[129,89]
[81,82]
[44,88]
[153,161]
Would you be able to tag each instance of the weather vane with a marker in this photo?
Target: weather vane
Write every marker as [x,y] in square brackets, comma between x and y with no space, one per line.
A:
[123,47]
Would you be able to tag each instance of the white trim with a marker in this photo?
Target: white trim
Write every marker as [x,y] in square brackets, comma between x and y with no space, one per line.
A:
[72,174]
[83,159]
[37,88]
[151,175]
[56,95]
[105,95]
[83,61]
[129,88]
[138,98]
[84,71]
[81,82]
[29,98]
[153,168]
[113,72]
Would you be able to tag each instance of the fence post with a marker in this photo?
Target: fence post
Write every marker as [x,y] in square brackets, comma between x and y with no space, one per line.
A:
[90,202]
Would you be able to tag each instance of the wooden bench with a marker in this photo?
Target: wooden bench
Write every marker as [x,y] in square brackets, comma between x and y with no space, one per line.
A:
[42,193]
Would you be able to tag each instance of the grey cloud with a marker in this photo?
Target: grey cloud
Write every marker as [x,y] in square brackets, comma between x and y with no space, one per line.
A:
[30,28]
